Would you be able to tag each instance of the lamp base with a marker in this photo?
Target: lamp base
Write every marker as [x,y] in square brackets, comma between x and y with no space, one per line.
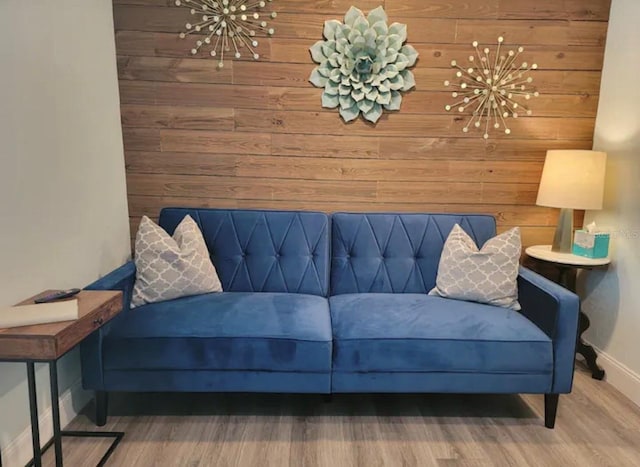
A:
[563,237]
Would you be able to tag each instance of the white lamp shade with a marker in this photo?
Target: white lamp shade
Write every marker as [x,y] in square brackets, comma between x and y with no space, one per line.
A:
[572,179]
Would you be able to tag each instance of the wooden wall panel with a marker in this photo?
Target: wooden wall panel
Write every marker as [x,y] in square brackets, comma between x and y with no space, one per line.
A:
[253,135]
[288,98]
[288,50]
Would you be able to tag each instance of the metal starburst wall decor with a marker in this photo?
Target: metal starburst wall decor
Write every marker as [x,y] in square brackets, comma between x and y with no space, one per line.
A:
[227,26]
[493,88]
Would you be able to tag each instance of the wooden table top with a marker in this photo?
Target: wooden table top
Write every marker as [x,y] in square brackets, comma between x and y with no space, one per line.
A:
[52,340]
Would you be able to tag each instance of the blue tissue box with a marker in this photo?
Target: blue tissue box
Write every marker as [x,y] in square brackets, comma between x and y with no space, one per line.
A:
[591,245]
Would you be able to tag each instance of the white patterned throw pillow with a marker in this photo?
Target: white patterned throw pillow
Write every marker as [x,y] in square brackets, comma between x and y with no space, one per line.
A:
[488,275]
[169,267]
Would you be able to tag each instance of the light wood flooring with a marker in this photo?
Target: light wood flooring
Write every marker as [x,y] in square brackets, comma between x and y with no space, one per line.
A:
[596,426]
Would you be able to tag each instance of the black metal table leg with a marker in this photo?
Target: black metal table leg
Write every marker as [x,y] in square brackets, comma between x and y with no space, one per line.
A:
[58,433]
[55,408]
[587,351]
[589,354]
[33,410]
[116,435]
[564,279]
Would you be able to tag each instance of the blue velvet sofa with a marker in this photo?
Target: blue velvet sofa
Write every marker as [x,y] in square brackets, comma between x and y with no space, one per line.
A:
[314,303]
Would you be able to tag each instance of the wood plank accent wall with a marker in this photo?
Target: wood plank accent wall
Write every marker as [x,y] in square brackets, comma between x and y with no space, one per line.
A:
[254,135]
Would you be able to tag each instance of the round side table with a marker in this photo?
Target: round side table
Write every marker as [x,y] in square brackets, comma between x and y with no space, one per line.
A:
[566,263]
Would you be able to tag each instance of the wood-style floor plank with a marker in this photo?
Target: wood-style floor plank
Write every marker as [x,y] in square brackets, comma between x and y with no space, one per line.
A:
[596,426]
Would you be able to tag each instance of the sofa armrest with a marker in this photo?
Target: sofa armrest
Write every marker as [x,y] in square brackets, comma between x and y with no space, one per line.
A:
[554,310]
[122,279]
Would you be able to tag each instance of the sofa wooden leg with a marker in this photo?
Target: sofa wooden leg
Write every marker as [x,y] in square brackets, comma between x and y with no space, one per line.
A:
[101,408]
[550,409]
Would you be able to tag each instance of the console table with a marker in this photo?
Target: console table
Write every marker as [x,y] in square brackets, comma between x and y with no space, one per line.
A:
[47,343]
[566,263]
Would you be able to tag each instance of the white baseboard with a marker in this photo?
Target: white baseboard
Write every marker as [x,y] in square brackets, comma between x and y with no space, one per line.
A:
[620,376]
[20,451]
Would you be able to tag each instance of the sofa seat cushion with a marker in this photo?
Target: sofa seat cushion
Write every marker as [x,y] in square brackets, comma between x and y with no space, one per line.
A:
[421,333]
[224,331]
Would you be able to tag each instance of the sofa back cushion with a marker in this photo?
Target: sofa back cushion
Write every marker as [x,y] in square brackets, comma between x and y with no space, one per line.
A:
[395,253]
[263,251]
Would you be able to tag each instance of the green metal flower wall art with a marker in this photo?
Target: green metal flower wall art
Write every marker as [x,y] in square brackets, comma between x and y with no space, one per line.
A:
[363,65]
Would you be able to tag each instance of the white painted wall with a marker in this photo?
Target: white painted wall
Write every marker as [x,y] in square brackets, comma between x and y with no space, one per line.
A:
[613,297]
[63,208]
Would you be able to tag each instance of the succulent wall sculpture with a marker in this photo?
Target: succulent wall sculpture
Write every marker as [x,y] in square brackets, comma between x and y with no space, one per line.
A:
[363,64]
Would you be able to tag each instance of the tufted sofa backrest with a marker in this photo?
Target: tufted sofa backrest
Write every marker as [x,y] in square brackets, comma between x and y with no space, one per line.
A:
[263,251]
[395,253]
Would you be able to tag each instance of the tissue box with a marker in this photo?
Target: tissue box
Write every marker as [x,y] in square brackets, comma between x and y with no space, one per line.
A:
[591,244]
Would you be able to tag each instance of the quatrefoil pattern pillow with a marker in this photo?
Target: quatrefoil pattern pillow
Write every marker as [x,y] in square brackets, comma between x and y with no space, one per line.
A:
[488,275]
[171,267]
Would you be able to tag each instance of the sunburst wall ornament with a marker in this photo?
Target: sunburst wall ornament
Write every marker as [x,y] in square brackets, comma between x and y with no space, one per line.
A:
[363,65]
[227,26]
[493,88]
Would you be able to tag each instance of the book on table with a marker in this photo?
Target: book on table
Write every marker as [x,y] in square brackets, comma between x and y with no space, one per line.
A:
[26,315]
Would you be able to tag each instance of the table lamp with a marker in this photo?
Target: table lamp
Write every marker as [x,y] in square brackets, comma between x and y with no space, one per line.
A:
[571,179]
